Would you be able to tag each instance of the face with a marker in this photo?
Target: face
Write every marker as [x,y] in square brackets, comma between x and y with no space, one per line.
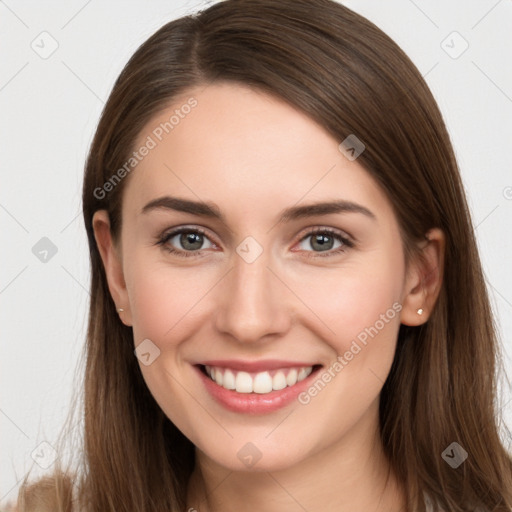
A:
[296,308]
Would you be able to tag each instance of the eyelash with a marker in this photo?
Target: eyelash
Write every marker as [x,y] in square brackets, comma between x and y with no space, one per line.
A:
[346,243]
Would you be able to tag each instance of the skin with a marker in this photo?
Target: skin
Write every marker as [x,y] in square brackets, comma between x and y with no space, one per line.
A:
[254,155]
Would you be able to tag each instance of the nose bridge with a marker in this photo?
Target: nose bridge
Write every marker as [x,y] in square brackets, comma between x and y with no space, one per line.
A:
[252,304]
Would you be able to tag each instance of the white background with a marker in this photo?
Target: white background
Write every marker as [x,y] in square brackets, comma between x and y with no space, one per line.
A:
[49,110]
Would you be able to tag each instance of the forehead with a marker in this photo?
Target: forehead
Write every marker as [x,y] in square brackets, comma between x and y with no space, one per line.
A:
[244,149]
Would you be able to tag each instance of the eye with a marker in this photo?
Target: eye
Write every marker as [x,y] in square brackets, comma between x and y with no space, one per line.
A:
[322,240]
[190,239]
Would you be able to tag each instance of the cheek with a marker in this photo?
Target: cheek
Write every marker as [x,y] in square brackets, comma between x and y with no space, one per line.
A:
[361,308]
[164,300]
[358,301]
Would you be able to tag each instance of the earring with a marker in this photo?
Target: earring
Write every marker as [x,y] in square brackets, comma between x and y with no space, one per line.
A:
[420,311]
[120,310]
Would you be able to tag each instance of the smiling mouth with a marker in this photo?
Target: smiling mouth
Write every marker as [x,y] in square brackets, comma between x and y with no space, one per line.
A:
[257,382]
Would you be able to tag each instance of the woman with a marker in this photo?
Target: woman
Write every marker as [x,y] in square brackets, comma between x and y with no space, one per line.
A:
[287,303]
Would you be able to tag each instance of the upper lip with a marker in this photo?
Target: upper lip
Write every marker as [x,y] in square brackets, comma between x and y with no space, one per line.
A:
[256,366]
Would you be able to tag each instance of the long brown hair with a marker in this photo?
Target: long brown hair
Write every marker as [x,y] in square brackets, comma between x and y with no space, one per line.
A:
[350,77]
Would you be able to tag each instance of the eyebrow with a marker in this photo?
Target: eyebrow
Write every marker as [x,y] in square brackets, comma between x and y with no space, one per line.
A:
[211,210]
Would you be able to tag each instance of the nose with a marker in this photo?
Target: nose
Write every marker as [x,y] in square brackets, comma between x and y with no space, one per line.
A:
[252,301]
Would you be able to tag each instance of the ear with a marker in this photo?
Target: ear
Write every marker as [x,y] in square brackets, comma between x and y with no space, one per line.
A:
[112,261]
[424,279]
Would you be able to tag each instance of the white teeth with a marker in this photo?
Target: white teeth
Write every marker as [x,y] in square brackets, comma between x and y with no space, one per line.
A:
[291,378]
[229,380]
[279,381]
[303,373]
[261,383]
[218,376]
[243,382]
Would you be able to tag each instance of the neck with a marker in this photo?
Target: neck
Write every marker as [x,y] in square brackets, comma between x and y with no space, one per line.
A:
[353,474]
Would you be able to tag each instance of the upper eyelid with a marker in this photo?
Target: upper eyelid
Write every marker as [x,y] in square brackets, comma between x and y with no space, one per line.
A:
[321,229]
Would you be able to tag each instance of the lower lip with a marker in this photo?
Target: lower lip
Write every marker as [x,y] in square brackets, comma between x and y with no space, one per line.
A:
[255,403]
